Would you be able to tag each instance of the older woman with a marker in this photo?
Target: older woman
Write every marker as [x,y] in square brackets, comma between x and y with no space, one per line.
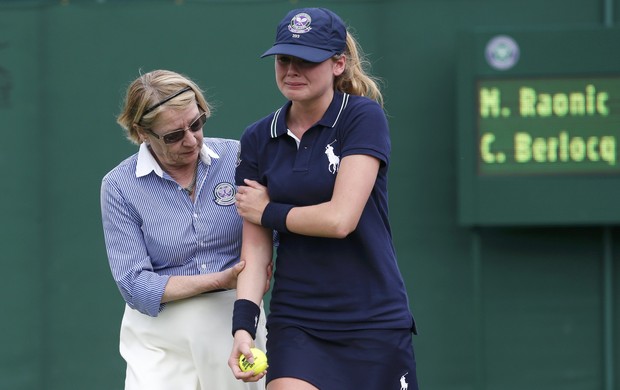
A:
[173,239]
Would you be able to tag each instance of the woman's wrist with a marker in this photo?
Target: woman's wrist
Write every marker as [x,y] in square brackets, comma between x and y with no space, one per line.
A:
[274,216]
[245,316]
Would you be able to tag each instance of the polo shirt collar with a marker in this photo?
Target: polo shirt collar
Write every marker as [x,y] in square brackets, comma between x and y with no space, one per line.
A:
[146,162]
[329,119]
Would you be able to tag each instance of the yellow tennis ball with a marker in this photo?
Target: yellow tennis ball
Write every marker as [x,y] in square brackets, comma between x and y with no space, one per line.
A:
[259,365]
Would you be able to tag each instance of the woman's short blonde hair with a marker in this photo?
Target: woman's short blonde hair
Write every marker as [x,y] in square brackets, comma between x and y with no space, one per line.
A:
[150,89]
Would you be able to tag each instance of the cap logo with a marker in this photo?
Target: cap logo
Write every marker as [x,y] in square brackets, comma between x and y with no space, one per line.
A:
[300,23]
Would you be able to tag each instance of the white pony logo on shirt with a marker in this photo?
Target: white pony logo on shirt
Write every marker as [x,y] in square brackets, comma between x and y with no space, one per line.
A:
[403,382]
[334,161]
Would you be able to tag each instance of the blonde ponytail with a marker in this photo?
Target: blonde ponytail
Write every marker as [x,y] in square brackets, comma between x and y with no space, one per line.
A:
[355,80]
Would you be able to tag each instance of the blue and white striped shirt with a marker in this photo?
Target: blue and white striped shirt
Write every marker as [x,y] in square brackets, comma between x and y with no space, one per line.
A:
[153,230]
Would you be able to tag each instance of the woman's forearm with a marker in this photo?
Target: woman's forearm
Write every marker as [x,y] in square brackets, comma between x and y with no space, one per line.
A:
[256,252]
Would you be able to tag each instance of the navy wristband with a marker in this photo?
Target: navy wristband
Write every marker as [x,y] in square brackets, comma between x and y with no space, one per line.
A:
[274,216]
[245,316]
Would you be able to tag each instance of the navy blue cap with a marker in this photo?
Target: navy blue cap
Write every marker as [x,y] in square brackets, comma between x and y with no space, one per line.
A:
[312,34]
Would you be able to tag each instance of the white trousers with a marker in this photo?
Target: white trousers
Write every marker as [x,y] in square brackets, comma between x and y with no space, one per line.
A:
[186,347]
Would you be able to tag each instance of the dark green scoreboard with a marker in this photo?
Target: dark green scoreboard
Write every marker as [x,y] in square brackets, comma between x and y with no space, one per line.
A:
[539,127]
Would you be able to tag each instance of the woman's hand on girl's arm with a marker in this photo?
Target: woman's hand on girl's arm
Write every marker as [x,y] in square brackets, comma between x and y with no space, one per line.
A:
[186,286]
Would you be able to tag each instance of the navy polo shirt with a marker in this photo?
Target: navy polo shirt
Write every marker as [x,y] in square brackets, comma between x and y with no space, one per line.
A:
[329,283]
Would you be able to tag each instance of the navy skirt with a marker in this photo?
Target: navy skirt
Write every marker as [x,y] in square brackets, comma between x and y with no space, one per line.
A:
[375,359]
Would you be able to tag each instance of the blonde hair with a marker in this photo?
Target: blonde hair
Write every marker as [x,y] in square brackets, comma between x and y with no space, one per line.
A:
[355,79]
[150,89]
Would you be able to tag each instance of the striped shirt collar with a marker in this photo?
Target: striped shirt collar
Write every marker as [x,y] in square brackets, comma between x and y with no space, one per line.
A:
[330,118]
[147,163]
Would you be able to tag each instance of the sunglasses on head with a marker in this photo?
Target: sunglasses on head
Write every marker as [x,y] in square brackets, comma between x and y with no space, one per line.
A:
[177,135]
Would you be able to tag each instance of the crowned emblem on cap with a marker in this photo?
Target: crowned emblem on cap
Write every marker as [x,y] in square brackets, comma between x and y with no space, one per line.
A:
[300,23]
